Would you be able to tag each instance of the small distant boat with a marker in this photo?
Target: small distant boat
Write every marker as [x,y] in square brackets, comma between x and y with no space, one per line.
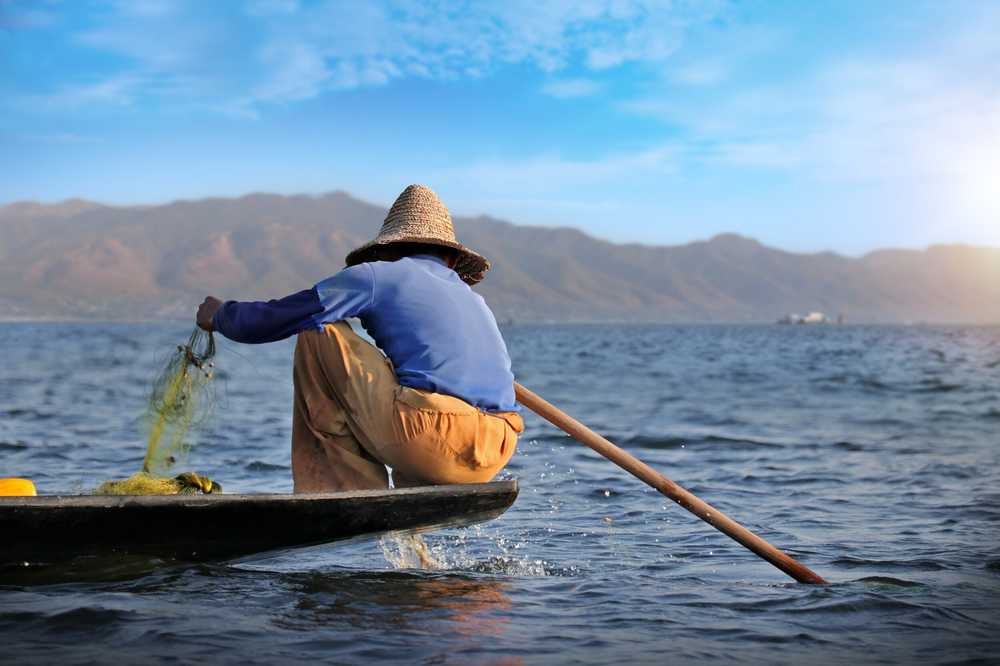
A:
[811,318]
[52,529]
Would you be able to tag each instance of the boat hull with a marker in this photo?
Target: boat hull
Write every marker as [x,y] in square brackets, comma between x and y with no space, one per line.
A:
[50,529]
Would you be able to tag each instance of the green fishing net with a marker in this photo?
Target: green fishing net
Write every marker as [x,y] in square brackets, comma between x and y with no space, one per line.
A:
[181,398]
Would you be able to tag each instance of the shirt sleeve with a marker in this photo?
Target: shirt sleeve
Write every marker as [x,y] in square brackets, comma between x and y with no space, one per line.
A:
[349,293]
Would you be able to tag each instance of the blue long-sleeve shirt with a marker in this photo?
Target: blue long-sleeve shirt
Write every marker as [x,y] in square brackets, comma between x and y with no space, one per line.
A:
[439,334]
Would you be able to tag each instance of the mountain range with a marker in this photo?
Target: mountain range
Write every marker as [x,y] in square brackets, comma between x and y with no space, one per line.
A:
[83,259]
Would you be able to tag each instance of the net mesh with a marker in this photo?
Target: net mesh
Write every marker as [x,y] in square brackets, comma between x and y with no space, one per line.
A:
[181,397]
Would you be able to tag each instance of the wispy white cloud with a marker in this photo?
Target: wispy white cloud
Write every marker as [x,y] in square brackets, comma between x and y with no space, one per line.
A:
[49,138]
[146,8]
[754,154]
[571,88]
[598,193]
[117,91]
[296,72]
[166,38]
[271,7]
[299,51]
[927,130]
[922,126]
[702,73]
[552,174]
[912,135]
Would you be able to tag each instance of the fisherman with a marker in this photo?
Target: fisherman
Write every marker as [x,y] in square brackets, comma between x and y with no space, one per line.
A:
[437,407]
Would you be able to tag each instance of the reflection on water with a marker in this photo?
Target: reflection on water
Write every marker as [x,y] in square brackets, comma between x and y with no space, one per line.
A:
[468,615]
[401,601]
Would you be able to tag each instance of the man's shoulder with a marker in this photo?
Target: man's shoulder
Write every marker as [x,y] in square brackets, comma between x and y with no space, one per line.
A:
[358,277]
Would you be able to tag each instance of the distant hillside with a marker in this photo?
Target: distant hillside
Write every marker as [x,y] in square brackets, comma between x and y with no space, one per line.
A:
[82,259]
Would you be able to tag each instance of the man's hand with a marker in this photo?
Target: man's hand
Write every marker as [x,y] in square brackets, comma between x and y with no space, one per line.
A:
[206,311]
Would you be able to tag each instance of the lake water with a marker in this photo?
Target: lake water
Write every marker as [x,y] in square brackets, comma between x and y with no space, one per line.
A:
[869,453]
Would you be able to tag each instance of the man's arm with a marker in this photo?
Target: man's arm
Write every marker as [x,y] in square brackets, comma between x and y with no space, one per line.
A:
[347,294]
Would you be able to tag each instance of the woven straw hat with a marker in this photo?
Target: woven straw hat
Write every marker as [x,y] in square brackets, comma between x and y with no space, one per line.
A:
[418,216]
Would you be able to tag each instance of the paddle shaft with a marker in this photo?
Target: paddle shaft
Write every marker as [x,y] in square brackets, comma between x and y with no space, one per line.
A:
[644,472]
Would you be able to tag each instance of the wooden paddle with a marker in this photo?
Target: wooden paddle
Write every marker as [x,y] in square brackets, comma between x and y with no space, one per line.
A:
[644,472]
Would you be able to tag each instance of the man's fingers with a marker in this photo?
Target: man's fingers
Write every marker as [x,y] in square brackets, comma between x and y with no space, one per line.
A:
[206,312]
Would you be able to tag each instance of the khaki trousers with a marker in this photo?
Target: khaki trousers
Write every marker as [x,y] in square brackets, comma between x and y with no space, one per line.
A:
[352,418]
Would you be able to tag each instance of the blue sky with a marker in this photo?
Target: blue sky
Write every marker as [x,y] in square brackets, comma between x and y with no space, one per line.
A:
[808,125]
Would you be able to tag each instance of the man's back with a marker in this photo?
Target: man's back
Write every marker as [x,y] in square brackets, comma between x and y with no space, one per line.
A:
[439,334]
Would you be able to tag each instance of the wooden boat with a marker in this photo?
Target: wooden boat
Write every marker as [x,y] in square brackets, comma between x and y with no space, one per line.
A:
[51,529]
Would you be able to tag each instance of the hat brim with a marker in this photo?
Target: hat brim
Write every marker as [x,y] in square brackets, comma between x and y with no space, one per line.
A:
[471,266]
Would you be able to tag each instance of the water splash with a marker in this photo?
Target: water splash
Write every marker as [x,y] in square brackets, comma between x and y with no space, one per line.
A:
[461,551]
[408,551]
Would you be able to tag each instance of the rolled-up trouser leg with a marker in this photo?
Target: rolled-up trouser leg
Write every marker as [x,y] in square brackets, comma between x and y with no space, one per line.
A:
[326,456]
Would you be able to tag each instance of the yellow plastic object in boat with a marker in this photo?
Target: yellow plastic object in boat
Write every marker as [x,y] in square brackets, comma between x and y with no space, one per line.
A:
[17,487]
